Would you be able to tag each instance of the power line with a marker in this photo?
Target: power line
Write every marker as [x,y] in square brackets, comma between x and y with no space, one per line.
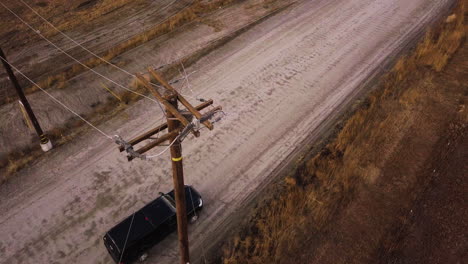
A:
[126,238]
[74,41]
[76,60]
[58,101]
[97,56]
[91,52]
[116,139]
[83,47]
[162,152]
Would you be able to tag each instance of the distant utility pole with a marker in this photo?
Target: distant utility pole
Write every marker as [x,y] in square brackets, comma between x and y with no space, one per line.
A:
[179,125]
[46,145]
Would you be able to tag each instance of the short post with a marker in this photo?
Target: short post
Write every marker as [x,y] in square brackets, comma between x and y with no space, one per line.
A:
[46,145]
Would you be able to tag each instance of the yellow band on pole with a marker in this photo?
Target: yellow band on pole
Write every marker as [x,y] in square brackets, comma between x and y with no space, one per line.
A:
[177,159]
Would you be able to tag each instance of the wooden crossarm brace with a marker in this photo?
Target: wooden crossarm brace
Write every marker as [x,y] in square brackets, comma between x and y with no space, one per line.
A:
[158,96]
[189,107]
[145,136]
[156,142]
[160,128]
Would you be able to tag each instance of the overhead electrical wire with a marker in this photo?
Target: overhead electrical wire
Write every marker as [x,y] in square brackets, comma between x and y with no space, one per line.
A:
[107,62]
[76,60]
[185,78]
[58,101]
[126,238]
[86,49]
[163,151]
[74,41]
[113,138]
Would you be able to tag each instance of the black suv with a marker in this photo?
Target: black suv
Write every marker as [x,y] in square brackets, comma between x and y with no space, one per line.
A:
[128,240]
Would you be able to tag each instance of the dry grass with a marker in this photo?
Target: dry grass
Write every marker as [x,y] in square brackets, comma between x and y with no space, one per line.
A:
[65,15]
[323,184]
[82,14]
[191,13]
[188,14]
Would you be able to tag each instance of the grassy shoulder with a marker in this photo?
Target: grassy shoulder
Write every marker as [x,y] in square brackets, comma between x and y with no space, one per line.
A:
[344,204]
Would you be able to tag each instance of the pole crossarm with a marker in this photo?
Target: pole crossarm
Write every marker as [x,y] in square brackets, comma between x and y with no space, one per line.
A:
[145,135]
[160,128]
[158,96]
[194,125]
[155,143]
[182,100]
[170,102]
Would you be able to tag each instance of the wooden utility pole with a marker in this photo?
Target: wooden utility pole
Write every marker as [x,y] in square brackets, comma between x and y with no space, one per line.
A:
[44,140]
[179,124]
[179,186]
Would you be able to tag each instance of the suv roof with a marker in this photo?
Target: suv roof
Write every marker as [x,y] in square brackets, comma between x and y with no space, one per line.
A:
[145,221]
[148,226]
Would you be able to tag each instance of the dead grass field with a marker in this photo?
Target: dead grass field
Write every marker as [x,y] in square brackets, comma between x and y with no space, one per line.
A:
[192,12]
[287,228]
[65,15]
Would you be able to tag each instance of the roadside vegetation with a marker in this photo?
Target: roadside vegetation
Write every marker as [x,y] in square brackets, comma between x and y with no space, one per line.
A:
[65,15]
[284,228]
[193,11]
[186,15]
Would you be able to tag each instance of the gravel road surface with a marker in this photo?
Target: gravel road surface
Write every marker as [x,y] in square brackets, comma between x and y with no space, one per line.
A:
[278,82]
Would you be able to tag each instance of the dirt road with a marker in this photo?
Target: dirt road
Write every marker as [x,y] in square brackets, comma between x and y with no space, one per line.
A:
[278,82]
